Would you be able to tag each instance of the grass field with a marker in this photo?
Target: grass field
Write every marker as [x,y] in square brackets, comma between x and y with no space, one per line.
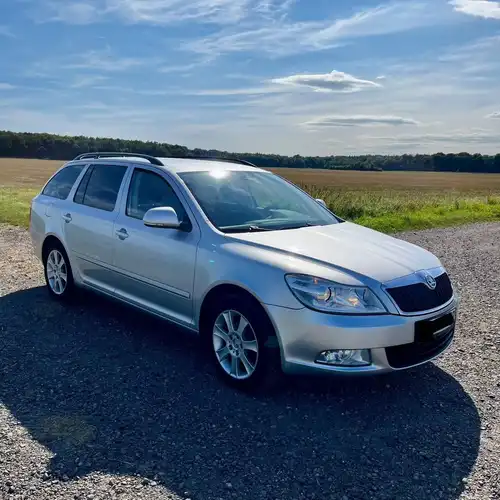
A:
[387,201]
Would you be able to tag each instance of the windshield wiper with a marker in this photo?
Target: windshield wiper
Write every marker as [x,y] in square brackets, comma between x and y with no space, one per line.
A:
[297,226]
[254,228]
[245,229]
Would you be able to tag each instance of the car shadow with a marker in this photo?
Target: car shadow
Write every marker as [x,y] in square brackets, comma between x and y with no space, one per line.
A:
[109,389]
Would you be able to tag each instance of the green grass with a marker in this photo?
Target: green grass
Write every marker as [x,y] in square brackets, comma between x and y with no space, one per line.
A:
[398,210]
[387,211]
[15,205]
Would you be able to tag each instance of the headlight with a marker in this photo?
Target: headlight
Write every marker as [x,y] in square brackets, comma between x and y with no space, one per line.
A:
[327,296]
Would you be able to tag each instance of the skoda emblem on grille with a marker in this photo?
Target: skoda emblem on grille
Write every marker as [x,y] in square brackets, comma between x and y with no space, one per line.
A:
[430,281]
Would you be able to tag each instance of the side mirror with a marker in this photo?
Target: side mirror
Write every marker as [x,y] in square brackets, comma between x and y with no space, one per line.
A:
[161,217]
[321,202]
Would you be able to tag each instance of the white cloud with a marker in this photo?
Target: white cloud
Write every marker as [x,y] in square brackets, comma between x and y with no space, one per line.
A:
[262,110]
[11,103]
[74,13]
[87,81]
[496,114]
[482,47]
[93,61]
[6,86]
[6,31]
[91,106]
[384,19]
[284,37]
[456,137]
[336,81]
[251,25]
[180,68]
[174,11]
[279,39]
[479,8]
[117,89]
[359,121]
[268,6]
[236,91]
[163,11]
[103,60]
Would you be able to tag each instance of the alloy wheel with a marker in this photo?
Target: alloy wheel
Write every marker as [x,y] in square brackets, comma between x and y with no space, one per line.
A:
[57,272]
[235,344]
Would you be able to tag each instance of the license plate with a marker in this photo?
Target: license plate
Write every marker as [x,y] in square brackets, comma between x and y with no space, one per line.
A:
[429,330]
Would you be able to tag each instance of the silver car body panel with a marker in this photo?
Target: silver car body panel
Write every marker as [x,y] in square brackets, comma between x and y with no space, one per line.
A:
[307,332]
[169,272]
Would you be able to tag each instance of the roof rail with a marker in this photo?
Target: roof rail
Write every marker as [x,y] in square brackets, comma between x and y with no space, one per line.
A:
[97,155]
[214,158]
[156,161]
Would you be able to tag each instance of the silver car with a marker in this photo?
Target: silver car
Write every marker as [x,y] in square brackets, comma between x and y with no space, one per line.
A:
[265,274]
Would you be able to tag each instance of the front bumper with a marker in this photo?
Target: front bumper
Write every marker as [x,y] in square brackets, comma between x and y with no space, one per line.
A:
[304,333]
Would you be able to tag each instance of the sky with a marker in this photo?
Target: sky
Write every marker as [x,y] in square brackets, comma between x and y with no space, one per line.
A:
[310,77]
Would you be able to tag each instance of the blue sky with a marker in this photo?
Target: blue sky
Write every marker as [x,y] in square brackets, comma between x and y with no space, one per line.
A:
[283,76]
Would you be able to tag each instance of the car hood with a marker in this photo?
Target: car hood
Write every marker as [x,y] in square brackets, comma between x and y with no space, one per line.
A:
[348,247]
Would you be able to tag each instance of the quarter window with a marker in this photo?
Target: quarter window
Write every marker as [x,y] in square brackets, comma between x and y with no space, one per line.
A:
[149,190]
[60,185]
[100,186]
[80,192]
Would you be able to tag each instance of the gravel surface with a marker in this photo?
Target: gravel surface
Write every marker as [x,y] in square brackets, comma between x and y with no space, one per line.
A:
[98,401]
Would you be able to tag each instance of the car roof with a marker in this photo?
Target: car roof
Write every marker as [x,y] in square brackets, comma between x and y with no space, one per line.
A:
[180,165]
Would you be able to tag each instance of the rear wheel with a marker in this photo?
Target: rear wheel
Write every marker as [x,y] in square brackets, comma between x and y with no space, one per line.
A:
[238,333]
[58,274]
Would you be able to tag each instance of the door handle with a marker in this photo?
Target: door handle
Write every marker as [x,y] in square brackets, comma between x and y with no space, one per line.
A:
[67,218]
[122,233]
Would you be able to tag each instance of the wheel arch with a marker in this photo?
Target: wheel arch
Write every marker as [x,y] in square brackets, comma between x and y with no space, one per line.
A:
[221,289]
[52,239]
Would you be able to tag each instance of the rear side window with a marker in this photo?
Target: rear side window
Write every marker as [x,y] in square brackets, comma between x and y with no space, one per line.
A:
[60,185]
[100,186]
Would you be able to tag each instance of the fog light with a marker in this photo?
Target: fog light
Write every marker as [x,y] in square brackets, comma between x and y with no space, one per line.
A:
[345,357]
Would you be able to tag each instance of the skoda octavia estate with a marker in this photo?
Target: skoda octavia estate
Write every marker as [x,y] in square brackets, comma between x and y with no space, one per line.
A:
[265,274]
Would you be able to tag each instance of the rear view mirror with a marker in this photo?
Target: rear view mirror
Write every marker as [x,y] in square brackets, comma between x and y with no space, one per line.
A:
[321,202]
[164,217]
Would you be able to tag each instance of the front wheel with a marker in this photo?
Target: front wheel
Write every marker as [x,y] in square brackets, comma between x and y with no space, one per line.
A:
[235,344]
[240,339]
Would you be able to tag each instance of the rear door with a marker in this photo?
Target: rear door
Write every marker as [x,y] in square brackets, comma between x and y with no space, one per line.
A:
[155,266]
[46,207]
[88,223]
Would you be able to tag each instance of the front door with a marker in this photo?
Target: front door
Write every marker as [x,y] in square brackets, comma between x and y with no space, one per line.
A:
[155,266]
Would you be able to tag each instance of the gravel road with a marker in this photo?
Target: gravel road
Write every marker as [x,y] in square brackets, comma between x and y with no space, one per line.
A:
[98,402]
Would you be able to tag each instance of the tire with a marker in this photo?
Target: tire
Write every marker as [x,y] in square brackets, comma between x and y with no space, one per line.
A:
[247,358]
[58,273]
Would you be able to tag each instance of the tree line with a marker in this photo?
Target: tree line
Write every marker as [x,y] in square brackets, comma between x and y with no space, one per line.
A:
[57,147]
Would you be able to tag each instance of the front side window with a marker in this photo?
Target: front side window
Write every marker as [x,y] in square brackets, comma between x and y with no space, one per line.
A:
[60,185]
[241,201]
[149,190]
[100,188]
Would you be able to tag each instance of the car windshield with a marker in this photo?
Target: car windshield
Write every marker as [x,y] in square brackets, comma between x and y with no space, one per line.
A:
[246,201]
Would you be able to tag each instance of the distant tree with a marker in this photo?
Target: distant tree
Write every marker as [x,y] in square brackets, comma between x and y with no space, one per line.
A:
[41,153]
[32,145]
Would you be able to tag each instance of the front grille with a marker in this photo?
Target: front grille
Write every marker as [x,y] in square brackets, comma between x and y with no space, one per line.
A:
[419,297]
[431,338]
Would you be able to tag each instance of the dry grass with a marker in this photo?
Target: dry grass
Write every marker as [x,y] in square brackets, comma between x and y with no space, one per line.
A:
[20,172]
[33,173]
[388,201]
[419,181]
